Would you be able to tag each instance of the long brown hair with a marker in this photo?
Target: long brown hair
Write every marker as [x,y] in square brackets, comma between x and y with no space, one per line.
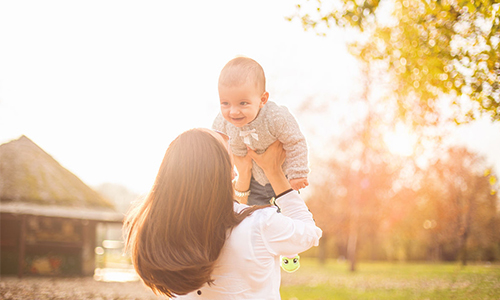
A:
[176,234]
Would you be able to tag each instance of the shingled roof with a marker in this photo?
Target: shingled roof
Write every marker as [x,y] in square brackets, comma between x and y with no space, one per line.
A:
[32,181]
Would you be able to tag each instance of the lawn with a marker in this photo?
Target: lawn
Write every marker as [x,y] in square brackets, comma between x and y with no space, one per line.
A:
[382,280]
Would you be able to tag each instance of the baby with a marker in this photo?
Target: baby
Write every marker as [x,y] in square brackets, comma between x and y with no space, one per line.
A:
[251,120]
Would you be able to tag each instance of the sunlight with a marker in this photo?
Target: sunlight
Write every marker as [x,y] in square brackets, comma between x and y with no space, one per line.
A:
[115,275]
[400,141]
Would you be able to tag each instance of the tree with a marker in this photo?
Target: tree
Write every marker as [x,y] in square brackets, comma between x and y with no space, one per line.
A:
[458,207]
[348,204]
[429,48]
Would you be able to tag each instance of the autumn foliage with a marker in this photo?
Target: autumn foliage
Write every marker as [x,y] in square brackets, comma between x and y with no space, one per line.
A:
[399,211]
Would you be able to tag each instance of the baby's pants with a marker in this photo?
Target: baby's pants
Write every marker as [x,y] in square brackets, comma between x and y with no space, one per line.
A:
[260,194]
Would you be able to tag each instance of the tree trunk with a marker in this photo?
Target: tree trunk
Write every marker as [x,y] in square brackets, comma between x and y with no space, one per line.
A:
[353,238]
[322,251]
[351,249]
[463,251]
[465,234]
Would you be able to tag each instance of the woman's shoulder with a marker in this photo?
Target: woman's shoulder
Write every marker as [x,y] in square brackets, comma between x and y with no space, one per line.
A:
[266,211]
[238,207]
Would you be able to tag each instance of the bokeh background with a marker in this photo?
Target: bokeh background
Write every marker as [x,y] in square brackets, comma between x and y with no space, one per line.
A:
[401,115]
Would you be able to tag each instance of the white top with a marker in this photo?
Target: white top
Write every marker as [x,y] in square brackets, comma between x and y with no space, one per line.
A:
[274,122]
[249,264]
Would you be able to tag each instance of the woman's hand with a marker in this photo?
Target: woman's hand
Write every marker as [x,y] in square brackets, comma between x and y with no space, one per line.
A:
[243,164]
[271,161]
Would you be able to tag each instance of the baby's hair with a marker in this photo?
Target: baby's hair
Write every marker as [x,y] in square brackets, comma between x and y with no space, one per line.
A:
[240,70]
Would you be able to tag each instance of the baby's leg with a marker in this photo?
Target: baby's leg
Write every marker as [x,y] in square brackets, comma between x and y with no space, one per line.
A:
[260,194]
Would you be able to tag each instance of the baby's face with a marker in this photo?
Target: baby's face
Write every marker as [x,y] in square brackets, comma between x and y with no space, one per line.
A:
[241,104]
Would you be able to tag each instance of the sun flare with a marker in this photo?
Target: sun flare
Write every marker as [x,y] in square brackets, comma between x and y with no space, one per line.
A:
[401,141]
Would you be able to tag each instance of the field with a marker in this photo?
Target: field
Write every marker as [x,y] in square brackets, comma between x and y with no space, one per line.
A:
[392,281]
[311,282]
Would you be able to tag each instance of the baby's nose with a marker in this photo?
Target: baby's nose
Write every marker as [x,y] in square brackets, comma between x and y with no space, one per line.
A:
[234,111]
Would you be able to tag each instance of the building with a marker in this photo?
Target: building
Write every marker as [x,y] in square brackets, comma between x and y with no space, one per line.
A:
[48,216]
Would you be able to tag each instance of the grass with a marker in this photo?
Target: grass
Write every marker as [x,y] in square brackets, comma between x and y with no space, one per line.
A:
[383,280]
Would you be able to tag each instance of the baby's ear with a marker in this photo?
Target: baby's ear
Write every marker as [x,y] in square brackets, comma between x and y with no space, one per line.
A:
[263,99]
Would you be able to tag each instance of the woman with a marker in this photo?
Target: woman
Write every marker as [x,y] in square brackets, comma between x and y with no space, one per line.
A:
[189,238]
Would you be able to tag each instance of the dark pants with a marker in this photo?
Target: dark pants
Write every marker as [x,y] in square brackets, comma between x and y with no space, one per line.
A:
[260,194]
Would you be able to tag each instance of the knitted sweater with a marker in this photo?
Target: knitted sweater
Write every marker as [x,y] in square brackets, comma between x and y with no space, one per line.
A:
[273,123]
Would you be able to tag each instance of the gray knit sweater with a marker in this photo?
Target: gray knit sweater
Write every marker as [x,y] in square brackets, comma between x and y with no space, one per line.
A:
[272,123]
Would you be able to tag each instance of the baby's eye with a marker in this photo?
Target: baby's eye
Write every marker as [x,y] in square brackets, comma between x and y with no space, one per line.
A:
[224,103]
[243,103]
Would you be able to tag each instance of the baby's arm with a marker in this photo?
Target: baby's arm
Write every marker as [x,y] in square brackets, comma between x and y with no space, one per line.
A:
[299,183]
[287,131]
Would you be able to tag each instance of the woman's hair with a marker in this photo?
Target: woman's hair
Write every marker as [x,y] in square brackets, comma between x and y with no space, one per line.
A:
[176,234]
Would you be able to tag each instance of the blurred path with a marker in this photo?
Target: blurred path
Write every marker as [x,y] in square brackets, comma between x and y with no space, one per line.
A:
[52,288]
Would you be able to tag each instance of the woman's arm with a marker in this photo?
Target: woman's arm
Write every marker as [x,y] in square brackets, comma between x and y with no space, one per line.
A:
[242,183]
[293,230]
[271,161]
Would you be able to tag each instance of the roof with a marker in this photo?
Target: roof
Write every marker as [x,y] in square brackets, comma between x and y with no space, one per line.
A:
[32,181]
[102,215]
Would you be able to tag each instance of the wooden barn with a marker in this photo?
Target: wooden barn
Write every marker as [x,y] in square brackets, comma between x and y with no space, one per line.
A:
[48,216]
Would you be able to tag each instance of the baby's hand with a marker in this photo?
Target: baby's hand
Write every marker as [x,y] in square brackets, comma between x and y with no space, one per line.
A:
[299,183]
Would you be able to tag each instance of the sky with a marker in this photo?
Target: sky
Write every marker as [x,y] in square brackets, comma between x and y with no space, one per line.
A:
[104,86]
